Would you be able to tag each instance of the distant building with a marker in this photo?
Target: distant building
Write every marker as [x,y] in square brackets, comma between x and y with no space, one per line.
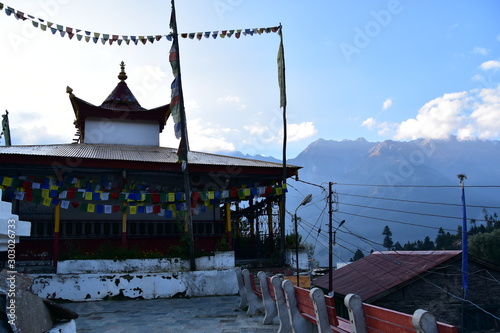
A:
[431,280]
[116,186]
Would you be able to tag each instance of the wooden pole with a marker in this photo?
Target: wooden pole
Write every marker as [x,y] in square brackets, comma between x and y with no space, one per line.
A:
[124,225]
[269,208]
[57,224]
[282,85]
[184,144]
[228,226]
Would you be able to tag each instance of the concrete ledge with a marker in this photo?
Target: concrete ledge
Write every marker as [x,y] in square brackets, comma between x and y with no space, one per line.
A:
[219,261]
[93,287]
[64,327]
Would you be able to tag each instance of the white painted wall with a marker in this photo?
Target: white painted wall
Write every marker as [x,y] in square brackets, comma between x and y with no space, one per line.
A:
[93,287]
[303,259]
[122,132]
[220,261]
[10,227]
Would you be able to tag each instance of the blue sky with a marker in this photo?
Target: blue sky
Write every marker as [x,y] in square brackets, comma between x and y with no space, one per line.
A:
[374,69]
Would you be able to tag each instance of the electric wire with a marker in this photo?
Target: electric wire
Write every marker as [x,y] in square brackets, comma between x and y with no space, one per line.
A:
[394,221]
[431,283]
[416,201]
[405,212]
[414,272]
[421,186]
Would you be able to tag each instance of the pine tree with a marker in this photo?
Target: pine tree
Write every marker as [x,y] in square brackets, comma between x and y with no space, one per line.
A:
[358,255]
[388,243]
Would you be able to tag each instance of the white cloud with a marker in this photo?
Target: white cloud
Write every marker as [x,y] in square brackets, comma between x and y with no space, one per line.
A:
[480,50]
[478,78]
[383,129]
[469,115]
[490,64]
[387,104]
[486,114]
[203,136]
[437,119]
[297,132]
[229,99]
[369,123]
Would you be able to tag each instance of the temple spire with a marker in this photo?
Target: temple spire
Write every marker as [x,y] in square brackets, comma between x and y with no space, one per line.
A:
[122,76]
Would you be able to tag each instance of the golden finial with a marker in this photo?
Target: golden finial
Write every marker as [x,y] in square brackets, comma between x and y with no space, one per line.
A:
[122,76]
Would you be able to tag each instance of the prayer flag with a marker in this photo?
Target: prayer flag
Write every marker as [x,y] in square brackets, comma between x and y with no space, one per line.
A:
[6,129]
[281,71]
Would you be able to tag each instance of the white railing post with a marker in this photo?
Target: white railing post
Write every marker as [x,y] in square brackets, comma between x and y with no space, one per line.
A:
[318,298]
[241,288]
[424,322]
[254,303]
[269,304]
[354,304]
[298,323]
[281,305]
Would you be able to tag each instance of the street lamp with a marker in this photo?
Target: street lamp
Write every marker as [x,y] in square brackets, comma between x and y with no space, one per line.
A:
[305,201]
[330,254]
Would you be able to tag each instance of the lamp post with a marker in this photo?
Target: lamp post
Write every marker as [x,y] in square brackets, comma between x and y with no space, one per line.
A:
[305,201]
[330,261]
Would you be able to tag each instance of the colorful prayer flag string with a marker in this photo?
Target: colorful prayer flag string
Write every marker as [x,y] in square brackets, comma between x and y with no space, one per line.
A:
[95,37]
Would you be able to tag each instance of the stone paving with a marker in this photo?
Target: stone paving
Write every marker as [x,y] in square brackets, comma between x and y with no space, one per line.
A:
[199,314]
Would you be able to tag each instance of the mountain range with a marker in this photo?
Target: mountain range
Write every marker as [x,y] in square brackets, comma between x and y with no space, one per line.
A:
[410,186]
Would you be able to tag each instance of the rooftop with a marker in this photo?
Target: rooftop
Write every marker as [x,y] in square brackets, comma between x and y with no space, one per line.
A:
[378,273]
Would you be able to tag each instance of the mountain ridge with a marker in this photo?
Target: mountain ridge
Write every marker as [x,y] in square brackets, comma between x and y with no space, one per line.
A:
[411,186]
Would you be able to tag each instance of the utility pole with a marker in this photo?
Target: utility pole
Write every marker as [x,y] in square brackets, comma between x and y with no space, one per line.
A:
[330,244]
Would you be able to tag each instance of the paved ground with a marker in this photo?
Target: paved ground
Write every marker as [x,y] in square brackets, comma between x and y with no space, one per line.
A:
[176,315]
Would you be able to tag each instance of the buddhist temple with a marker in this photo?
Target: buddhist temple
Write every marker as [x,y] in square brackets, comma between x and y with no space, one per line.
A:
[116,186]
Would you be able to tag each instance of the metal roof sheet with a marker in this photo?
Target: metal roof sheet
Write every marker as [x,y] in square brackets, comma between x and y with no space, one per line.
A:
[133,153]
[380,272]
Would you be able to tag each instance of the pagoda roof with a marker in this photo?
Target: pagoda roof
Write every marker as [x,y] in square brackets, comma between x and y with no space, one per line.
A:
[121,104]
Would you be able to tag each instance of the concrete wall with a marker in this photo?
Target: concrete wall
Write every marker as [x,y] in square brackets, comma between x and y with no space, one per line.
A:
[122,132]
[303,259]
[91,280]
[93,287]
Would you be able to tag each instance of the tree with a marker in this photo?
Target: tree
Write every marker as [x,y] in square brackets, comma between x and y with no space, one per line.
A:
[388,243]
[485,246]
[358,255]
[398,247]
[427,244]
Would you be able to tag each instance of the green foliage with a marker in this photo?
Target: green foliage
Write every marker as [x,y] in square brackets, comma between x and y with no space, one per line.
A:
[483,240]
[485,246]
[445,241]
[181,250]
[291,241]
[222,245]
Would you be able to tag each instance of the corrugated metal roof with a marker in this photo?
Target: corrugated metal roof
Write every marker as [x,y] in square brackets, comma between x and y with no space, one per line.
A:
[380,272]
[133,153]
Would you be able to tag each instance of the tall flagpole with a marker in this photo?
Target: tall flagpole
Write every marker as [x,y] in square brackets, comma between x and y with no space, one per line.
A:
[180,125]
[282,86]
[465,255]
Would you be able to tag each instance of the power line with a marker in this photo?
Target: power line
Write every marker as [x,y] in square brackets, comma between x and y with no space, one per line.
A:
[420,186]
[416,201]
[394,221]
[406,212]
